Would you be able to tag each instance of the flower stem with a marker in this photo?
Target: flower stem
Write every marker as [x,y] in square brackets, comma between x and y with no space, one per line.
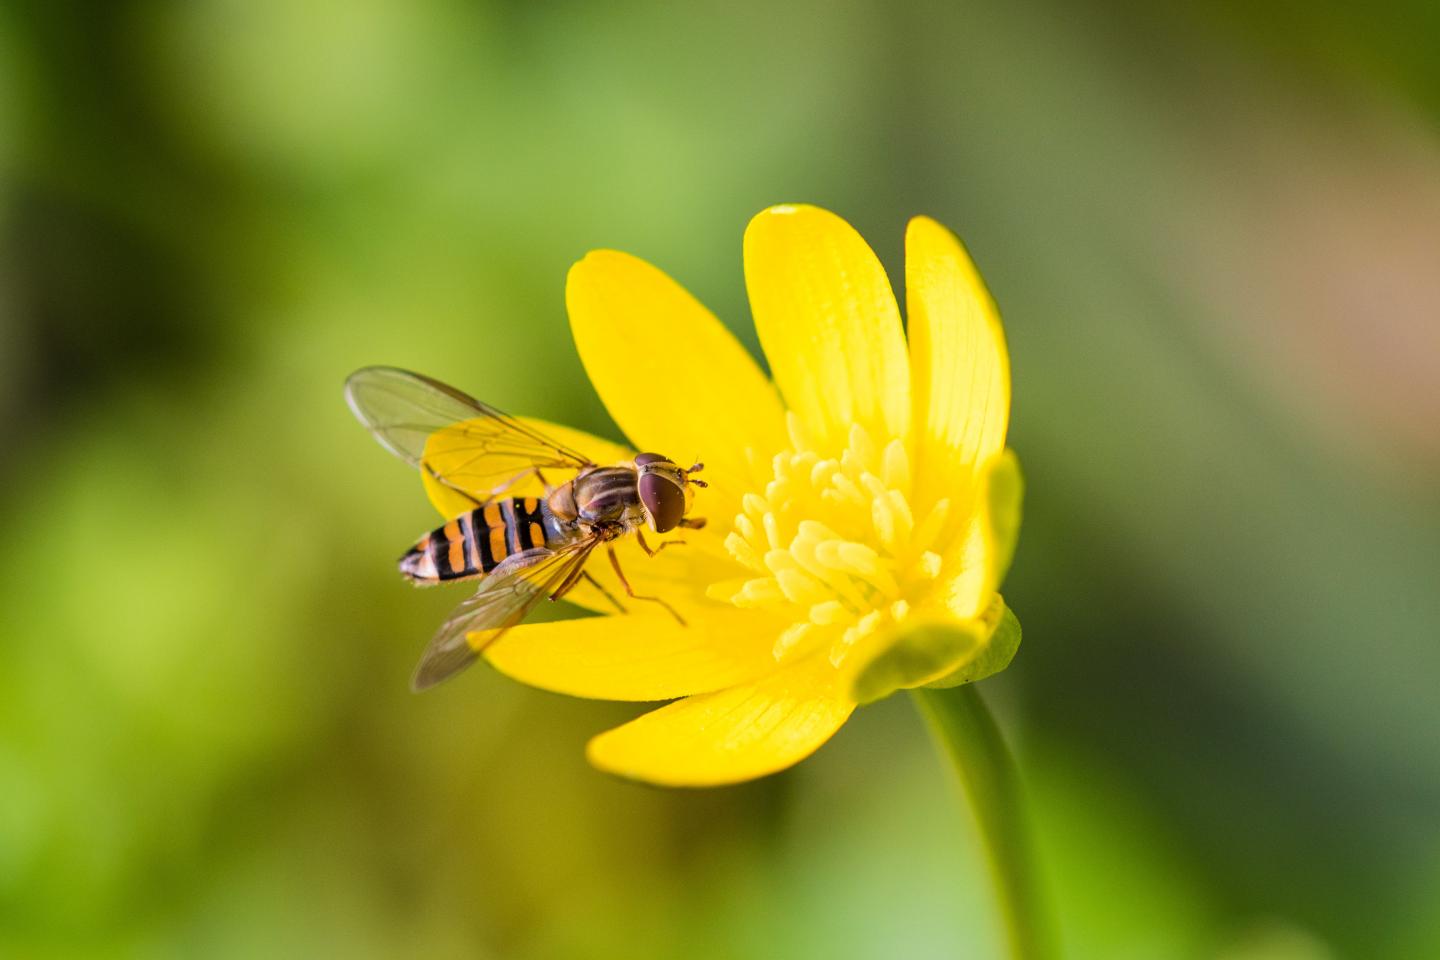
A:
[964,728]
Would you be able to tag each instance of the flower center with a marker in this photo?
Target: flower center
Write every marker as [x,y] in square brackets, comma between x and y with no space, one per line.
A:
[834,545]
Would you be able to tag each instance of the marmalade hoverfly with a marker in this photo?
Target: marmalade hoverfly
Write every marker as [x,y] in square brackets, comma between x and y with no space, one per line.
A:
[520,549]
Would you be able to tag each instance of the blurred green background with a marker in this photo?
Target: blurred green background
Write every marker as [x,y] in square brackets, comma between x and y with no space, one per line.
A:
[1214,232]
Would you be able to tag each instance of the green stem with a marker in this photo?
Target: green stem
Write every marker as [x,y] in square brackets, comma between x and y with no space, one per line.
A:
[963,726]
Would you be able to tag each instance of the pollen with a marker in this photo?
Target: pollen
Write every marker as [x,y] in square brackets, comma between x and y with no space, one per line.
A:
[834,544]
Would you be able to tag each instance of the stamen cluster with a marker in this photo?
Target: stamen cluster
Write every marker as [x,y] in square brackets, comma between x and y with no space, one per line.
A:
[835,544]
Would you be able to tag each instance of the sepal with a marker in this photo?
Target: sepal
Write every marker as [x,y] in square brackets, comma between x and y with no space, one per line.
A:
[999,650]
[924,651]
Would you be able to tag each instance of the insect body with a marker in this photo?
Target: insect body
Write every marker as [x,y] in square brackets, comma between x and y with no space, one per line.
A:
[520,549]
[603,502]
[478,541]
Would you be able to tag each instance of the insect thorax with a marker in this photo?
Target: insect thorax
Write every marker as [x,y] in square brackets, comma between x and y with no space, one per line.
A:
[607,495]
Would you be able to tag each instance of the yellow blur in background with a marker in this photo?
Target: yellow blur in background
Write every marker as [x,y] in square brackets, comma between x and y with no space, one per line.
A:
[1212,232]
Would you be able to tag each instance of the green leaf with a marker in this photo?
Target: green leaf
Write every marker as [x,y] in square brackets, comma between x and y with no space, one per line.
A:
[998,651]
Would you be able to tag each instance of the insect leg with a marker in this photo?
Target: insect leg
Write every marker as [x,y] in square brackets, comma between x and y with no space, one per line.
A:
[608,596]
[569,582]
[693,523]
[639,535]
[630,591]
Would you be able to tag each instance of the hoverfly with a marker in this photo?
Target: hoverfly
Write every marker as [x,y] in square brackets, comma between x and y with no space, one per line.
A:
[520,549]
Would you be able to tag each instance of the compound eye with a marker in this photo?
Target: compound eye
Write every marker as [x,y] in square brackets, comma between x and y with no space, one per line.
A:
[664,501]
[646,458]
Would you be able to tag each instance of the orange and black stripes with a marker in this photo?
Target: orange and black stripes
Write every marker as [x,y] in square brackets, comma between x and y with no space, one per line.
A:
[476,542]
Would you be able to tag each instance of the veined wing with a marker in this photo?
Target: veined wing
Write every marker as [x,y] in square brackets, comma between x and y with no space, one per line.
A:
[466,445]
[504,598]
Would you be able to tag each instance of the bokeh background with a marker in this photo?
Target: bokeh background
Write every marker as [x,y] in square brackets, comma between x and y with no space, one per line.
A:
[1214,232]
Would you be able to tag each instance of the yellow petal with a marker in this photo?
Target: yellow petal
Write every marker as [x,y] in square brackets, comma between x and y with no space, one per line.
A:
[675,380]
[983,555]
[958,360]
[829,324]
[640,656]
[680,574]
[451,452]
[729,736]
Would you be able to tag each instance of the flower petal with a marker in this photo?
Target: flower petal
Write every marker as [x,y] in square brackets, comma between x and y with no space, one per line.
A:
[675,380]
[729,736]
[983,555]
[450,451]
[829,324]
[958,360]
[641,656]
[679,575]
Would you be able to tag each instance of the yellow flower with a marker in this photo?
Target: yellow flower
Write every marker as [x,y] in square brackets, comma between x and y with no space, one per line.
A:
[861,516]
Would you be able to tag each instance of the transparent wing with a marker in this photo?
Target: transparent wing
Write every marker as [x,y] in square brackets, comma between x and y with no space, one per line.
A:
[501,602]
[463,443]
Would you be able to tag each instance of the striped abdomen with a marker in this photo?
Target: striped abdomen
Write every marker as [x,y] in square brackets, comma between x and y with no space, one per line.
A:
[474,543]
